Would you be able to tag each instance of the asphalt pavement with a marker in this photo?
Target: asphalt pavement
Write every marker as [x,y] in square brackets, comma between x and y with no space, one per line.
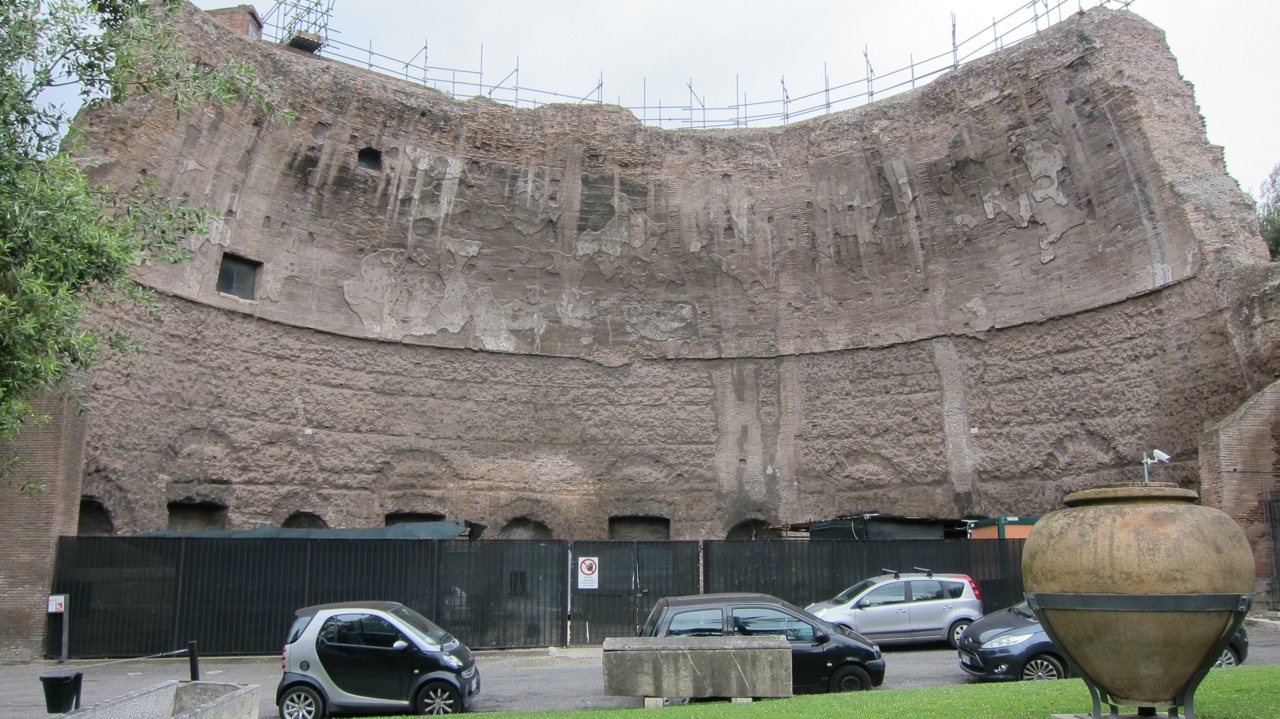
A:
[515,680]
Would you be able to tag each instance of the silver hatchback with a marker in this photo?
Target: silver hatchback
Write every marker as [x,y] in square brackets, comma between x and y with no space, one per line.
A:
[906,607]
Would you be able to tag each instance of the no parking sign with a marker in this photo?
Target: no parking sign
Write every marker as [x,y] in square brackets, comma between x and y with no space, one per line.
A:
[588,573]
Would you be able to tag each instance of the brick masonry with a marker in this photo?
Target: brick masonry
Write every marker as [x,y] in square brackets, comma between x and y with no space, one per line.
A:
[33,519]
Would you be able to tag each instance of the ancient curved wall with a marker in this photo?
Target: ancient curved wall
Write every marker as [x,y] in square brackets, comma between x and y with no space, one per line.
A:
[968,299]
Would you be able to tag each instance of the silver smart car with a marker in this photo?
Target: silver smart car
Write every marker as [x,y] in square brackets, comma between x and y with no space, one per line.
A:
[370,657]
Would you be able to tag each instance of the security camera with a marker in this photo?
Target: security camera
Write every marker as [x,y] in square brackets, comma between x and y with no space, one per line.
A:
[1160,455]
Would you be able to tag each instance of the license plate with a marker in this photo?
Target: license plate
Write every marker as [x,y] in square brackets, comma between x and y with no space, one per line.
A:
[971,661]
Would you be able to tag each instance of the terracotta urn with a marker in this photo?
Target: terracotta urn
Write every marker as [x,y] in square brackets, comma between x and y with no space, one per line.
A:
[1142,540]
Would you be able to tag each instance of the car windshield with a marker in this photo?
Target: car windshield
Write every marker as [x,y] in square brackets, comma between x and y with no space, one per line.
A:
[423,627]
[848,594]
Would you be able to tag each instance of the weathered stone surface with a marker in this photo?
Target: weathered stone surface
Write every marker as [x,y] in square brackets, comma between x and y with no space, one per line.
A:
[697,667]
[970,299]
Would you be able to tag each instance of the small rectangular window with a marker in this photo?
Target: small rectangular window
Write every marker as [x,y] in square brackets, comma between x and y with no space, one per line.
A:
[238,276]
[369,159]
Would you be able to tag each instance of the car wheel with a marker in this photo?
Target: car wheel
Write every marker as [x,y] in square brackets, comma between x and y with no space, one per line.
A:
[1043,666]
[438,698]
[1228,659]
[953,635]
[850,678]
[301,702]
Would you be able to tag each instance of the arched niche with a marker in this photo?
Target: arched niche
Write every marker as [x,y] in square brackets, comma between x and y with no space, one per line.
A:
[524,528]
[95,520]
[305,520]
[752,529]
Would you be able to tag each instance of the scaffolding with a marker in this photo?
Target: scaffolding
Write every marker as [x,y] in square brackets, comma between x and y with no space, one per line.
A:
[307,22]
[303,24]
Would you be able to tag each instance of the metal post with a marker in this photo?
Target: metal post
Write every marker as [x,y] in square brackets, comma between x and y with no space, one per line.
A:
[955,51]
[871,73]
[193,658]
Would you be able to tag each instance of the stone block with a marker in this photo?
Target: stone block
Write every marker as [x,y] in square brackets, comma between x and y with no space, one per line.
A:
[697,667]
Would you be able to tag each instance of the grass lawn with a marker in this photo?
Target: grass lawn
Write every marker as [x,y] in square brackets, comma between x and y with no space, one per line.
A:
[1246,692]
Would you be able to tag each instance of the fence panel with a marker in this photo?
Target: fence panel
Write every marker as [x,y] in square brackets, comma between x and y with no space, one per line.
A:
[237,596]
[504,593]
[799,572]
[122,595]
[631,577]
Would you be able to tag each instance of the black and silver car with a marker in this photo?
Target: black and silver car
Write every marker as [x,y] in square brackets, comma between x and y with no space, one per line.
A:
[824,657]
[1010,645]
[371,657]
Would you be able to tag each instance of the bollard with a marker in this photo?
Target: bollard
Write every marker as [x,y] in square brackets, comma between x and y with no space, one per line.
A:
[193,657]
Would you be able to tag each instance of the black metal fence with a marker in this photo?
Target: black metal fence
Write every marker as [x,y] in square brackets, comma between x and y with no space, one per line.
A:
[140,596]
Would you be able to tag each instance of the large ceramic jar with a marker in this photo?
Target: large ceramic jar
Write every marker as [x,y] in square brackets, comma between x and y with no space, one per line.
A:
[1145,539]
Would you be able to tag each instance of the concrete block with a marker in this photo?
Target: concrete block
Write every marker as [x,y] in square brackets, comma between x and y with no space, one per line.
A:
[178,700]
[697,667]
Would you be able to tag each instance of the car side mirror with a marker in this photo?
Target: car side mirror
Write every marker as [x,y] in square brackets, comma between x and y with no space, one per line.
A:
[821,638]
[862,604]
[400,644]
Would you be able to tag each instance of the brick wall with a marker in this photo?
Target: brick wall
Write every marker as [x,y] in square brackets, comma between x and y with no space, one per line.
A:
[1238,463]
[241,18]
[33,519]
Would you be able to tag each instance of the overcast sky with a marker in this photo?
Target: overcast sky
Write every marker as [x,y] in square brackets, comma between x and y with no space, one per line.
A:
[649,51]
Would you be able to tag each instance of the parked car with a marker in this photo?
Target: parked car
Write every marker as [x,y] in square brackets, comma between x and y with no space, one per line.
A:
[370,657]
[824,657]
[903,607]
[1010,645]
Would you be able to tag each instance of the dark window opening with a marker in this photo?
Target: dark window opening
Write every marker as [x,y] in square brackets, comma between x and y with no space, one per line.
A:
[238,276]
[409,517]
[369,159]
[639,529]
[196,516]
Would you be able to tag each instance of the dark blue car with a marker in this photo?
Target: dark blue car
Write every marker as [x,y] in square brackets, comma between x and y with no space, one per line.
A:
[1010,645]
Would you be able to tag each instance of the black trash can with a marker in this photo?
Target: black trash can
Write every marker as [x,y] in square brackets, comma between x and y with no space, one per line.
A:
[61,691]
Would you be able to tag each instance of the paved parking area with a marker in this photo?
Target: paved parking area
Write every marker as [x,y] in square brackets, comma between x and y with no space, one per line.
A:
[521,680]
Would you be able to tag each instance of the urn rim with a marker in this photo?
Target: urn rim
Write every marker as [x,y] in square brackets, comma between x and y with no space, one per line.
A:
[1137,492]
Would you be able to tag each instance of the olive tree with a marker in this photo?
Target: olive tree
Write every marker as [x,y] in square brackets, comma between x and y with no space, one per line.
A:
[64,243]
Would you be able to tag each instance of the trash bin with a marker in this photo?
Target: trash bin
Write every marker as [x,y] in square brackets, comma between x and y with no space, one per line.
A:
[61,691]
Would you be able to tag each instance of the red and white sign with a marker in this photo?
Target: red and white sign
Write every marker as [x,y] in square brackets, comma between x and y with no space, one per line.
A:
[588,573]
[57,603]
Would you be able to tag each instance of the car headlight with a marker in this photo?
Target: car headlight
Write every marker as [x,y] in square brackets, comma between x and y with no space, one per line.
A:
[452,661]
[819,612]
[1007,640]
